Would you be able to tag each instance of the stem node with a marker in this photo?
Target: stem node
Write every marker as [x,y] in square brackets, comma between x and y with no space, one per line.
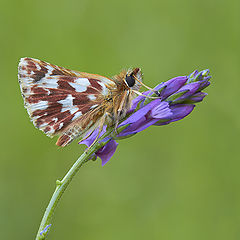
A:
[58,183]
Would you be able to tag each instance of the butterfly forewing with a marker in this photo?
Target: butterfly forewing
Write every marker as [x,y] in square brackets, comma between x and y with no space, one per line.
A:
[56,98]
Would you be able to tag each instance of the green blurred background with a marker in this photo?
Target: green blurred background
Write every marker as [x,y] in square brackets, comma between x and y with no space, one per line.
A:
[179,181]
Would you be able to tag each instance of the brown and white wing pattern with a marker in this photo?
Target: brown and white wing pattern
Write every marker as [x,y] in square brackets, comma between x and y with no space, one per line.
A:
[57,98]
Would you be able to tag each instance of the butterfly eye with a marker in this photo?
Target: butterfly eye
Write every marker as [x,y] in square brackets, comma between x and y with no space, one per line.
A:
[130,80]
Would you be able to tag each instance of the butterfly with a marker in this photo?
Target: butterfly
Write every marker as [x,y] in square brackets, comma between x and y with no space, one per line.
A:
[73,104]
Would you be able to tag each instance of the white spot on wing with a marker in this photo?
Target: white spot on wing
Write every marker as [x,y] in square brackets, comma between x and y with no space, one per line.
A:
[48,91]
[67,102]
[92,97]
[82,81]
[50,69]
[80,84]
[73,110]
[41,105]
[55,119]
[76,115]
[104,88]
[43,125]
[78,88]
[38,66]
[60,125]
[51,131]
[48,82]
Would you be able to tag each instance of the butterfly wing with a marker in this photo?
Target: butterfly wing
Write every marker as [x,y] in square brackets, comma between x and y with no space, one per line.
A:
[60,100]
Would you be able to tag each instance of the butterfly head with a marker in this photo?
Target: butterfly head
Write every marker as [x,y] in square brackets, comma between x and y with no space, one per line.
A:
[133,78]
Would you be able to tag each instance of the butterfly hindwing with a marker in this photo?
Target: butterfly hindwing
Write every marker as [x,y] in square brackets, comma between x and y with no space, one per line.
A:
[56,97]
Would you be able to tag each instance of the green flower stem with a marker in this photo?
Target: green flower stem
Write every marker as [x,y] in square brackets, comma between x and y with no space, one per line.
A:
[62,185]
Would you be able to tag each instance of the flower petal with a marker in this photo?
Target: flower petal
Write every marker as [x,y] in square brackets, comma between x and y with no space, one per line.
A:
[151,114]
[141,112]
[172,86]
[136,101]
[197,97]
[138,126]
[191,89]
[179,111]
[106,152]
[93,136]
[203,84]
[161,111]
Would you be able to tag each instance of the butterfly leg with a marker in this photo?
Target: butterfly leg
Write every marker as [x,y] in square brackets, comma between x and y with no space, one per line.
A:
[100,128]
[87,135]
[121,109]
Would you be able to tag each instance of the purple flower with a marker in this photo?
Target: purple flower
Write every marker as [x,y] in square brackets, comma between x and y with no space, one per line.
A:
[176,99]
[107,151]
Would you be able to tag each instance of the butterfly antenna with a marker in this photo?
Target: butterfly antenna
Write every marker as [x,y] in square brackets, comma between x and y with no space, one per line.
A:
[140,94]
[155,91]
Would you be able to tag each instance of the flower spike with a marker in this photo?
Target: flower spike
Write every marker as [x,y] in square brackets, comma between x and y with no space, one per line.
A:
[169,101]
